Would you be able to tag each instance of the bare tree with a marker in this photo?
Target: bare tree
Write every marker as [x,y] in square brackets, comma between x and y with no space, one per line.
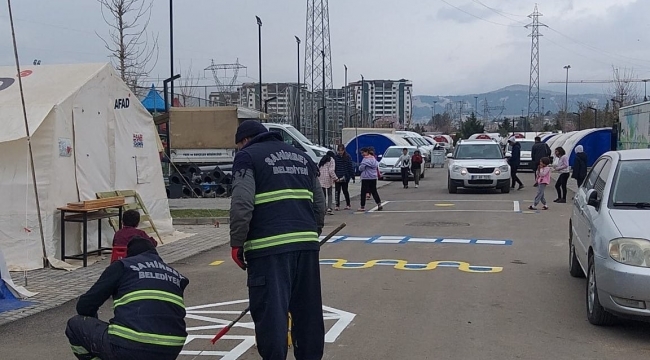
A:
[133,52]
[622,88]
[188,87]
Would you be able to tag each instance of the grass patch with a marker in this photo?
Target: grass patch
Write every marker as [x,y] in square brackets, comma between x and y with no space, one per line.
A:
[198,213]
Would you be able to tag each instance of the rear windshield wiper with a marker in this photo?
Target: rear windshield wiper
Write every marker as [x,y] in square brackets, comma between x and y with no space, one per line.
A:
[640,205]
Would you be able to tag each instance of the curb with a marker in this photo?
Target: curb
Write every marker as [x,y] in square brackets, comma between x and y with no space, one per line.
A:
[200,221]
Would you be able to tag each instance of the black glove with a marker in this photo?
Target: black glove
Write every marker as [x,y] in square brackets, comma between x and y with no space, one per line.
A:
[320,230]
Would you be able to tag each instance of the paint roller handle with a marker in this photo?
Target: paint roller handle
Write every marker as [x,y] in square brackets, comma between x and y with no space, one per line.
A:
[225,330]
[330,235]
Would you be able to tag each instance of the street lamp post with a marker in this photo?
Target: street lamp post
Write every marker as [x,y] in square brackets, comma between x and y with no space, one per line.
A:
[566,94]
[345,96]
[259,36]
[595,116]
[299,92]
[645,90]
[266,104]
[324,104]
[620,105]
[363,85]
[171,51]
[476,104]
[579,119]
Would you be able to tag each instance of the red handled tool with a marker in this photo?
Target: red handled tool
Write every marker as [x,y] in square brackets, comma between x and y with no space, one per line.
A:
[225,330]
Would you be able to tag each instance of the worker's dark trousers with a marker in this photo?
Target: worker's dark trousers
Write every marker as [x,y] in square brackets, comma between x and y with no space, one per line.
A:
[89,340]
[283,283]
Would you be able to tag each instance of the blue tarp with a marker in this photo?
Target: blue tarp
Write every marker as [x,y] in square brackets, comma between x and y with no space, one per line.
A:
[380,142]
[153,101]
[595,142]
[8,301]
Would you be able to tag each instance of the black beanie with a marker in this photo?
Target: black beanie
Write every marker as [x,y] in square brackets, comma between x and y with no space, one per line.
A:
[137,245]
[249,129]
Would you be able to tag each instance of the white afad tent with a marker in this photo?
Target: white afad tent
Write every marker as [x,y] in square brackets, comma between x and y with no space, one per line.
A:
[89,134]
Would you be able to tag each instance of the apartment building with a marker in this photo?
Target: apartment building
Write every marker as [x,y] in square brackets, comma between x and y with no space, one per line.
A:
[282,108]
[383,99]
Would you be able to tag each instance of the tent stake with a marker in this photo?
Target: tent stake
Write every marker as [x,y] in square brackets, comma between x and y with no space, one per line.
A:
[29,139]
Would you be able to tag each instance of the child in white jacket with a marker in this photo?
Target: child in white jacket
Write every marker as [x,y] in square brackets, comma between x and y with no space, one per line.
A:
[327,177]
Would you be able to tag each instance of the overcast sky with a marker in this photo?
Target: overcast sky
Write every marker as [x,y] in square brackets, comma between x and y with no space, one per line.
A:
[445,47]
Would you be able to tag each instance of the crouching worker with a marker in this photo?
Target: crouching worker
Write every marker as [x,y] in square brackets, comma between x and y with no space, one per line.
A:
[149,313]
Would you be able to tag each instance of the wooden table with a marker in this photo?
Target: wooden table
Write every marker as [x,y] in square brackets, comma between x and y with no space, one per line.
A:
[83,216]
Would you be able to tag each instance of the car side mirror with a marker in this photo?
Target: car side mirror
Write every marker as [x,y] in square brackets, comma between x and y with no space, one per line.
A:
[592,198]
[508,154]
[450,156]
[380,156]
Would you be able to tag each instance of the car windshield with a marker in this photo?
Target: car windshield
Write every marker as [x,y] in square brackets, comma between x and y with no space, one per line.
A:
[478,151]
[298,135]
[525,146]
[630,186]
[396,152]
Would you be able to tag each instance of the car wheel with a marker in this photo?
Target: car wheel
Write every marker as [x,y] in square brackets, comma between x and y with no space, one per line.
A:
[452,189]
[574,266]
[596,314]
[505,189]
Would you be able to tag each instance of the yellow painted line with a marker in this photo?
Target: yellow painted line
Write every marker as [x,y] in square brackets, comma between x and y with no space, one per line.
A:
[405,265]
[216,263]
[444,205]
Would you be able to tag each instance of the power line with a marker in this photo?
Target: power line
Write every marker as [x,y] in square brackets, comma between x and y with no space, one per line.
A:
[478,17]
[500,12]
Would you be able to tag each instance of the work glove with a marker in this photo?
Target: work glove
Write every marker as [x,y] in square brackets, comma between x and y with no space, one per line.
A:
[237,254]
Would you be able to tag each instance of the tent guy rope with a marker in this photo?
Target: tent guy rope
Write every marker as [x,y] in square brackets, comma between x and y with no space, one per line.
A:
[29,138]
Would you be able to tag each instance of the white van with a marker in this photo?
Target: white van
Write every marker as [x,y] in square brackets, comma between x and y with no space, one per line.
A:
[293,137]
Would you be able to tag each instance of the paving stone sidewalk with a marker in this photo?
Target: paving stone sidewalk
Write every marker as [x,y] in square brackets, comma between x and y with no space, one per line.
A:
[56,287]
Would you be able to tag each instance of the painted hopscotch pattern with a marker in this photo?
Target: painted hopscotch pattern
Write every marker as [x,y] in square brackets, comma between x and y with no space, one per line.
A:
[400,239]
[405,265]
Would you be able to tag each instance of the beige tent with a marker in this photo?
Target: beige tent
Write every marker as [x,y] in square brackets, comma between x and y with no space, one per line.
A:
[89,134]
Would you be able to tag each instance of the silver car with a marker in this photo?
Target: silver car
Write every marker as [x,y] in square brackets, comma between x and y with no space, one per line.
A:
[609,236]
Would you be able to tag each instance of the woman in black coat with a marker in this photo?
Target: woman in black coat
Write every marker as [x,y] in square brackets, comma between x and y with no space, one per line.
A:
[344,173]
[580,165]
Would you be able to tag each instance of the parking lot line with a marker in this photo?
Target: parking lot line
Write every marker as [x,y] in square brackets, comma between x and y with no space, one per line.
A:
[447,200]
[377,207]
[446,211]
[517,206]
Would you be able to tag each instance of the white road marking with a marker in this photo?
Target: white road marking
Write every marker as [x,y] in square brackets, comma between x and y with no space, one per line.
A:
[446,211]
[517,206]
[449,200]
[377,207]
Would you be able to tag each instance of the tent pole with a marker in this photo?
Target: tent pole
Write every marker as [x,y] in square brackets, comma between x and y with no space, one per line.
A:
[29,139]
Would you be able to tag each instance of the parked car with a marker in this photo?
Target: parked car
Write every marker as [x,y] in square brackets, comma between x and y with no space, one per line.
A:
[526,153]
[609,236]
[387,167]
[478,164]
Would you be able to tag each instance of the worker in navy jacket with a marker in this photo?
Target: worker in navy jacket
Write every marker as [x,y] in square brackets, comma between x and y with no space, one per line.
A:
[148,307]
[276,216]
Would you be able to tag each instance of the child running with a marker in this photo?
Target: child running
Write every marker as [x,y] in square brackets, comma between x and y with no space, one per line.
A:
[543,179]
[368,169]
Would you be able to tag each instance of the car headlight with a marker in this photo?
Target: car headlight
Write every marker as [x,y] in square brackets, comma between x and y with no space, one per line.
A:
[504,168]
[456,168]
[319,153]
[382,165]
[635,252]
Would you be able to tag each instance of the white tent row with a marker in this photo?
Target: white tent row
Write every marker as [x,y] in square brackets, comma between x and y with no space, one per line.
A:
[90,134]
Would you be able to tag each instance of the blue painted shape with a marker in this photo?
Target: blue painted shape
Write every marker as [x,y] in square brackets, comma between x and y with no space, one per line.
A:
[369,241]
[353,265]
[5,293]
[328,262]
[342,238]
[415,266]
[449,263]
[508,242]
[405,240]
[480,268]
[472,241]
[387,262]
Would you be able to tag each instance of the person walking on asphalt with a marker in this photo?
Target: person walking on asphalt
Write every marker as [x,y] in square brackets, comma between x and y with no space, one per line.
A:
[327,177]
[543,178]
[561,165]
[148,307]
[580,165]
[538,151]
[277,214]
[404,163]
[416,167]
[515,159]
[344,173]
[369,168]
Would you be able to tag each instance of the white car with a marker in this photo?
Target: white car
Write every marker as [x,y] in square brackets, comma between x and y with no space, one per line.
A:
[526,153]
[416,139]
[387,168]
[609,237]
[478,164]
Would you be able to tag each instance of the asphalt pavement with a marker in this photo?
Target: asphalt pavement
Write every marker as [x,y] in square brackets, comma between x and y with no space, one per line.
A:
[472,275]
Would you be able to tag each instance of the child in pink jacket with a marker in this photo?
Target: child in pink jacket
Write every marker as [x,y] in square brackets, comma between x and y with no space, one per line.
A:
[327,177]
[543,179]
